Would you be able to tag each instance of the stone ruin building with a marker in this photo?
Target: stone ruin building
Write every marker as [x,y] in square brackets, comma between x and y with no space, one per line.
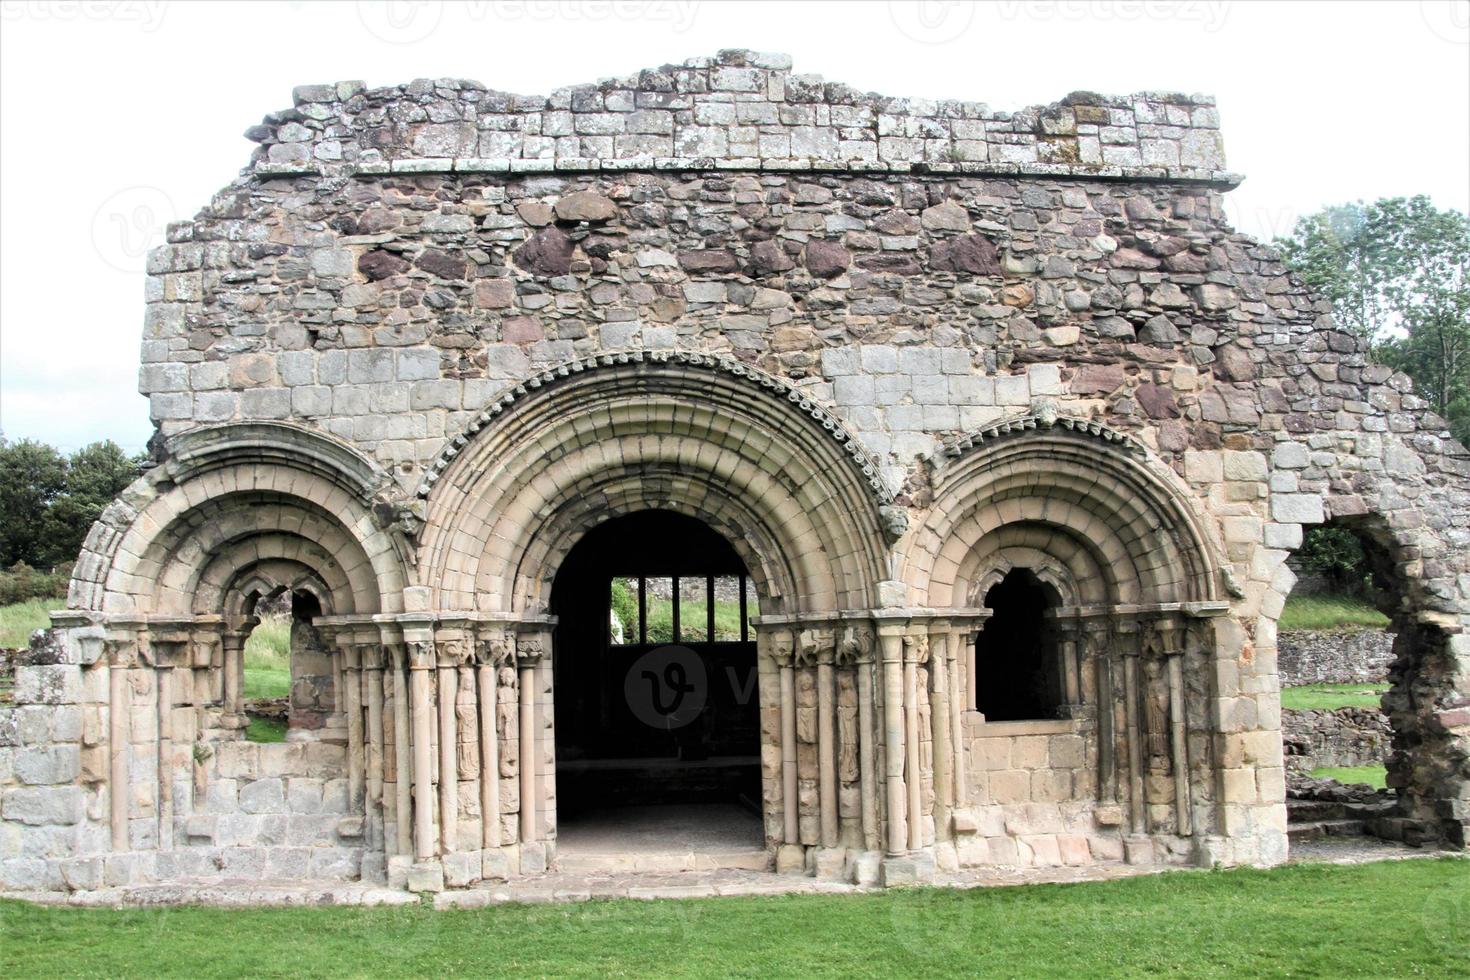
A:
[1002,432]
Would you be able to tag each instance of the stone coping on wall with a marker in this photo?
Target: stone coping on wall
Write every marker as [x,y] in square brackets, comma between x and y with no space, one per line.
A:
[740,110]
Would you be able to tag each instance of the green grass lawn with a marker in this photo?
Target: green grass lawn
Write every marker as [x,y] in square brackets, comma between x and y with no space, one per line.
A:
[19,621]
[265,730]
[1375,776]
[1396,918]
[1329,612]
[268,659]
[1327,697]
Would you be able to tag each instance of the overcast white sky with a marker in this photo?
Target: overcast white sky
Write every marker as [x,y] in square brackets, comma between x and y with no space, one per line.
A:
[116,117]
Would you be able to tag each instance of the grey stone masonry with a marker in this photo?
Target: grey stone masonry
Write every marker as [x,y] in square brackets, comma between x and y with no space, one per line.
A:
[738,110]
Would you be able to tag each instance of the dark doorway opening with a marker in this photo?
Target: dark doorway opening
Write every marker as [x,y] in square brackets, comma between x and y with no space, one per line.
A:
[1016,656]
[655,673]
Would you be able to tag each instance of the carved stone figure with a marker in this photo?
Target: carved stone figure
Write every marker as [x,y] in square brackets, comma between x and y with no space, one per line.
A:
[467,722]
[847,727]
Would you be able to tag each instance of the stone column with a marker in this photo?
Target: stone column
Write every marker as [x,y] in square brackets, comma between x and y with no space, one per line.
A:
[372,673]
[421,661]
[890,639]
[827,737]
[791,856]
[165,758]
[234,682]
[351,698]
[403,786]
[972,672]
[1099,648]
[1173,634]
[121,656]
[915,652]
[939,720]
[1128,647]
[448,688]
[863,656]
[528,653]
[1067,636]
[491,653]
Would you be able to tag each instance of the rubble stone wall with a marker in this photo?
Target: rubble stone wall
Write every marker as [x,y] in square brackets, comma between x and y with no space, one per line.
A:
[1342,737]
[1334,656]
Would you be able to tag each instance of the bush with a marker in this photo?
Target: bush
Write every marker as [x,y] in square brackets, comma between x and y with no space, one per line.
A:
[1337,554]
[22,582]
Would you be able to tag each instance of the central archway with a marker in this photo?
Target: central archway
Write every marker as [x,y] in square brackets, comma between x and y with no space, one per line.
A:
[658,735]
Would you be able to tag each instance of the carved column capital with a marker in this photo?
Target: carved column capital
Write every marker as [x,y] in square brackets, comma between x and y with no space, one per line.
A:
[531,648]
[815,645]
[781,647]
[495,648]
[420,654]
[857,645]
[452,650]
[916,648]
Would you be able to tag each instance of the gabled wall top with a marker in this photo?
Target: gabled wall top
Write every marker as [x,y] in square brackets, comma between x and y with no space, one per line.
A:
[740,110]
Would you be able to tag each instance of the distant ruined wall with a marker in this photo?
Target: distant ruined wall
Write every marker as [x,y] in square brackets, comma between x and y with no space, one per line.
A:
[1342,737]
[1334,656]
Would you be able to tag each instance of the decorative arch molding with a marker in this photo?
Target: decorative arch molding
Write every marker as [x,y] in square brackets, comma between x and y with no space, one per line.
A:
[1082,493]
[1043,418]
[714,363]
[781,478]
[182,536]
[193,453]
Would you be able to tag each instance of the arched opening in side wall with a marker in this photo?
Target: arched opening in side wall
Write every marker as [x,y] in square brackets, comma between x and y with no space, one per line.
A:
[289,676]
[1360,655]
[657,710]
[1018,661]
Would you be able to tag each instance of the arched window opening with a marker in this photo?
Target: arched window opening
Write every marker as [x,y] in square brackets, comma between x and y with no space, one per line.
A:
[1018,659]
[288,671]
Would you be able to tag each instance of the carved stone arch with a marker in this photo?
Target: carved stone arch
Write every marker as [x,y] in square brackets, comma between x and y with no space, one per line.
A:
[698,434]
[227,492]
[258,582]
[1098,489]
[1051,573]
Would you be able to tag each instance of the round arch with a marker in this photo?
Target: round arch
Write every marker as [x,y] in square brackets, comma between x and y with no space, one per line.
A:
[1087,502]
[229,502]
[698,435]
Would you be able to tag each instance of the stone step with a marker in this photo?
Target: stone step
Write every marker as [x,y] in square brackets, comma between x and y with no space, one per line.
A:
[615,862]
[1327,828]
[1310,811]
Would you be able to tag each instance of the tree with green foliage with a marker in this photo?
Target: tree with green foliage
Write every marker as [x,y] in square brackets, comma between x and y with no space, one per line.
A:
[32,476]
[48,502]
[1397,272]
[95,475]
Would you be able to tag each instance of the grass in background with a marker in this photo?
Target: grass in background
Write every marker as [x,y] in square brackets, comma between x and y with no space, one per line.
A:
[1328,697]
[1375,776]
[268,659]
[19,621]
[1392,918]
[1329,612]
[265,730]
